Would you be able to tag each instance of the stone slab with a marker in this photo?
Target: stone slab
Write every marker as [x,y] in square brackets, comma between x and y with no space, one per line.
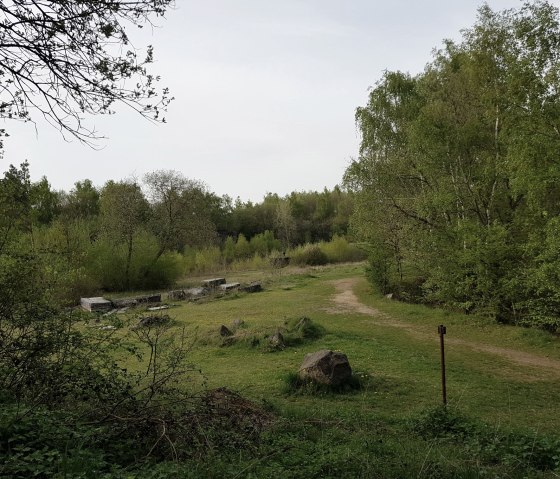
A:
[229,286]
[213,282]
[96,304]
[195,292]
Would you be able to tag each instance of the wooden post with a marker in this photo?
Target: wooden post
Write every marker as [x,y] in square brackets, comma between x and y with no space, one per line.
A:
[442,331]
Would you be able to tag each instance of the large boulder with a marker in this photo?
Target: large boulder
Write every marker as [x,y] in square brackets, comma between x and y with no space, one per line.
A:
[326,367]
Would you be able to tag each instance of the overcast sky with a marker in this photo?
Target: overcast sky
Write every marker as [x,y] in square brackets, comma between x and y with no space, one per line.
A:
[265,93]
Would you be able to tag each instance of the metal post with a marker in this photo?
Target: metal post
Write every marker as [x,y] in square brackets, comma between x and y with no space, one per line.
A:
[442,331]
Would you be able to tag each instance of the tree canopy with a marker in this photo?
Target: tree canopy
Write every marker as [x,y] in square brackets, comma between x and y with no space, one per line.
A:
[457,180]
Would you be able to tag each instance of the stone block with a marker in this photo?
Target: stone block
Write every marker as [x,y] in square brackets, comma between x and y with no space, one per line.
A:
[229,286]
[96,304]
[213,283]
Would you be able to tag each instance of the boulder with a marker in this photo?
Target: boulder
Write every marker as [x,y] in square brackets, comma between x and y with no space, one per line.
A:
[194,293]
[238,323]
[326,367]
[277,341]
[177,295]
[253,287]
[225,332]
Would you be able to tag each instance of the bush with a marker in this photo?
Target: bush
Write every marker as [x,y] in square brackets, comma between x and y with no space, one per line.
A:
[208,259]
[519,451]
[338,250]
[107,264]
[309,254]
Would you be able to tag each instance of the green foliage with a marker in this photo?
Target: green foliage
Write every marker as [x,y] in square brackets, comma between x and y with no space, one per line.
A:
[308,254]
[43,443]
[207,259]
[378,270]
[454,186]
[517,451]
[304,328]
[229,250]
[108,263]
[242,248]
[264,243]
[339,250]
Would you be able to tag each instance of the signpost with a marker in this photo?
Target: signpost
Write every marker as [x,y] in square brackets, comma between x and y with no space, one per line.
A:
[442,331]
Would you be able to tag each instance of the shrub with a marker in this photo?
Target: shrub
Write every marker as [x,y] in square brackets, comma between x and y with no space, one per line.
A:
[519,451]
[208,259]
[338,250]
[309,254]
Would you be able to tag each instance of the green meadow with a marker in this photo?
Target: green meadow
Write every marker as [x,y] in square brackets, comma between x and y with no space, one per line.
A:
[502,384]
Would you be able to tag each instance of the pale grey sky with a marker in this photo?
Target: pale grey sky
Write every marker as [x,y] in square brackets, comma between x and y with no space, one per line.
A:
[265,93]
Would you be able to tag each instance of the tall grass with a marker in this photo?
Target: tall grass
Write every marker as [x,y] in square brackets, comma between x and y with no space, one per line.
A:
[338,250]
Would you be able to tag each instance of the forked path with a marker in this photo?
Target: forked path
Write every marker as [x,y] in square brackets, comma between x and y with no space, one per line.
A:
[345,301]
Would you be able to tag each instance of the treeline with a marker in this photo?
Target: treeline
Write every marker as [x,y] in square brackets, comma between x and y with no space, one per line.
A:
[143,235]
[458,179]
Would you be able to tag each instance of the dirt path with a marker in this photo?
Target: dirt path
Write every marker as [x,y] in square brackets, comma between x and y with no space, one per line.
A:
[345,301]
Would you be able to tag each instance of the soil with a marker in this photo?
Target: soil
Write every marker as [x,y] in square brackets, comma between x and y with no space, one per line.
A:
[345,301]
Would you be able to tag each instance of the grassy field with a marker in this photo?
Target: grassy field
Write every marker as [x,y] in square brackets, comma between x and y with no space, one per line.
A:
[503,384]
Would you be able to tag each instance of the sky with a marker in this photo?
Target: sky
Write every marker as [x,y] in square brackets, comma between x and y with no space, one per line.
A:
[265,93]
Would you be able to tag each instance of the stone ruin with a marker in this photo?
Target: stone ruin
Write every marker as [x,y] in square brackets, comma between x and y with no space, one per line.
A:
[100,304]
[208,287]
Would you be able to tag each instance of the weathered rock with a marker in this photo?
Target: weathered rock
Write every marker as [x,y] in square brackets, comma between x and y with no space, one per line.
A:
[229,286]
[238,323]
[193,293]
[96,304]
[253,287]
[213,283]
[276,341]
[124,303]
[177,295]
[150,298]
[326,367]
[224,331]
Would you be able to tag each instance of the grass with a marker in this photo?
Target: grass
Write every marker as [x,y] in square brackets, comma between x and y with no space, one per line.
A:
[366,431]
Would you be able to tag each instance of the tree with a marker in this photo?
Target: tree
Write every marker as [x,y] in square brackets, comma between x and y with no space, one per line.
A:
[45,202]
[124,211]
[15,204]
[179,216]
[284,223]
[64,59]
[82,202]
[457,175]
